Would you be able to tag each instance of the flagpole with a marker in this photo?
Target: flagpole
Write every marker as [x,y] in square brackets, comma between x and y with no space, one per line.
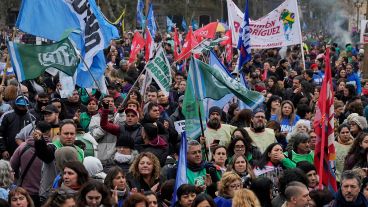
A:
[300,36]
[189,51]
[89,71]
[135,82]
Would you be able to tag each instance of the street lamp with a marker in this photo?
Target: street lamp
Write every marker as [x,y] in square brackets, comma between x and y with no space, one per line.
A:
[357,5]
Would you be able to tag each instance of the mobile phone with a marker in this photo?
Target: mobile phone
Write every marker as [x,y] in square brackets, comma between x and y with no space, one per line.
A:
[216,141]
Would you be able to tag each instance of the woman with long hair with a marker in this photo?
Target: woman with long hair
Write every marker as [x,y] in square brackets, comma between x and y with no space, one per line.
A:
[286,116]
[6,179]
[232,112]
[272,106]
[357,155]
[262,188]
[116,181]
[94,194]
[219,157]
[60,198]
[85,117]
[136,200]
[203,200]
[241,166]
[229,184]
[344,141]
[273,87]
[144,173]
[19,197]
[245,197]
[74,176]
[244,146]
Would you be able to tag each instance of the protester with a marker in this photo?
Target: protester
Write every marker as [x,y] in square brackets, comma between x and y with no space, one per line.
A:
[94,194]
[20,197]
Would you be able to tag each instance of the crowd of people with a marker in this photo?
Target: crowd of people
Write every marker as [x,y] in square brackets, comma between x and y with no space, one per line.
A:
[122,149]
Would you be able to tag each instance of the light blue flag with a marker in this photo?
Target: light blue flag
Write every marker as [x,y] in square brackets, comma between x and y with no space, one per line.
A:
[50,18]
[151,22]
[181,174]
[244,40]
[140,16]
[184,25]
[195,24]
[169,24]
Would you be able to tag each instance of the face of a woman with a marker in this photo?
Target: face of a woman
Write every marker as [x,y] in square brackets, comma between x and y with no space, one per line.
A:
[152,201]
[286,109]
[346,92]
[365,192]
[364,143]
[302,128]
[273,69]
[240,165]
[119,181]
[204,203]
[145,166]
[133,96]
[18,200]
[270,83]
[234,186]
[70,202]
[275,152]
[239,148]
[342,73]
[93,198]
[341,86]
[354,128]
[70,177]
[344,134]
[236,111]
[220,156]
[275,104]
[92,106]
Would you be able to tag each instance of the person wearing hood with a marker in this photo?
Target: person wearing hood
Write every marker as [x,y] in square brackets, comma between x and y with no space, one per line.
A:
[11,124]
[349,193]
[72,105]
[125,153]
[94,168]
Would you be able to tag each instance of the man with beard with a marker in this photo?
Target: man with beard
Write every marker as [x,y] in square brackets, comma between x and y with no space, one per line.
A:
[217,133]
[261,135]
[42,101]
[11,124]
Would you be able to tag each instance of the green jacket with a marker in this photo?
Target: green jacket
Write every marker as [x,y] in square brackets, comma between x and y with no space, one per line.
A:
[295,158]
[58,145]
[84,120]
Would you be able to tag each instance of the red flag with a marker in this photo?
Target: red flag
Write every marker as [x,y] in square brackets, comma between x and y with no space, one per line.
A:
[228,46]
[207,31]
[189,44]
[148,46]
[176,44]
[324,154]
[137,45]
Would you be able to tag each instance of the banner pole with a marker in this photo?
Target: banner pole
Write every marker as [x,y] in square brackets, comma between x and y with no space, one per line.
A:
[300,36]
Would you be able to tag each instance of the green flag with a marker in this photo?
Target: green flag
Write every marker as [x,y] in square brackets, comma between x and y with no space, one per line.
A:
[31,61]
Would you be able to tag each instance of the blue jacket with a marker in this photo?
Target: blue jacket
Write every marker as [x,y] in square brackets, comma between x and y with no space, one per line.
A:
[353,77]
[223,202]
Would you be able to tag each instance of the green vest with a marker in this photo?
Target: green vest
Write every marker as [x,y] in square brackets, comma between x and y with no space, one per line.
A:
[58,145]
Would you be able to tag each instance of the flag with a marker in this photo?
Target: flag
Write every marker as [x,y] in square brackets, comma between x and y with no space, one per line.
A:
[148,47]
[169,24]
[151,22]
[176,44]
[244,40]
[189,44]
[228,46]
[137,45]
[181,174]
[236,17]
[184,25]
[207,45]
[50,18]
[160,70]
[206,32]
[140,16]
[31,61]
[324,153]
[195,24]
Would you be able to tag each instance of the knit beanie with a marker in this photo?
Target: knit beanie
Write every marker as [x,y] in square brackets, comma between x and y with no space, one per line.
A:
[359,120]
[215,109]
[64,155]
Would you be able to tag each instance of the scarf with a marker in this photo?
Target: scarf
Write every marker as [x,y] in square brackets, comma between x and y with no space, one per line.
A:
[359,202]
[121,158]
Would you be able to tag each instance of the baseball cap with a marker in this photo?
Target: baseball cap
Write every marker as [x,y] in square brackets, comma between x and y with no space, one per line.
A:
[132,111]
[21,101]
[50,109]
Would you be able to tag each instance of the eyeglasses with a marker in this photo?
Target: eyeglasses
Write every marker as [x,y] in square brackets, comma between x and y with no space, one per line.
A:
[239,146]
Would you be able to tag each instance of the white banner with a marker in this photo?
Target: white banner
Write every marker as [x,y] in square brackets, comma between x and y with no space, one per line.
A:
[364,31]
[180,126]
[279,28]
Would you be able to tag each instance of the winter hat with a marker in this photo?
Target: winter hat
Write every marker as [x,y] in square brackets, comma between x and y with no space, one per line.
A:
[215,109]
[359,120]
[257,110]
[93,165]
[64,155]
[125,141]
[21,101]
[305,166]
[151,130]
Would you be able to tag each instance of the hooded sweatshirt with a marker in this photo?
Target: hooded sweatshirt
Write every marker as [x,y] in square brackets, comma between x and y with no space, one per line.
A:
[158,147]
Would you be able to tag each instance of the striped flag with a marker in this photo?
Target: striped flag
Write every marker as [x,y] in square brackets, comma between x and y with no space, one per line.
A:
[324,154]
[244,40]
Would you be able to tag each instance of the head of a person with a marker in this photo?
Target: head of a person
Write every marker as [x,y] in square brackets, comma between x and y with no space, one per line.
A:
[19,197]
[341,83]
[194,152]
[310,171]
[219,155]
[297,194]
[297,82]
[350,185]
[94,194]
[339,108]
[357,123]
[145,165]
[151,198]
[116,178]
[74,97]
[320,198]
[233,109]
[132,116]
[93,165]
[44,127]
[301,143]
[162,98]
[344,133]
[240,164]
[134,95]
[214,121]
[92,105]
[153,111]
[273,102]
[6,174]
[68,132]
[60,198]
[133,104]
[151,94]
[360,145]
[271,154]
[364,188]
[240,146]
[349,68]
[290,175]
[110,100]
[203,200]
[74,174]
[63,155]
[182,85]
[51,114]
[229,183]
[136,200]
[245,197]
[262,187]
[302,126]
[21,103]
[287,108]
[258,120]
[57,103]
[186,194]
[149,131]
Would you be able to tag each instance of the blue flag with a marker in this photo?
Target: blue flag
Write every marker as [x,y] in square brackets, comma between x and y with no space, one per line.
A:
[181,174]
[244,40]
[184,25]
[151,22]
[195,24]
[50,18]
[169,24]
[140,16]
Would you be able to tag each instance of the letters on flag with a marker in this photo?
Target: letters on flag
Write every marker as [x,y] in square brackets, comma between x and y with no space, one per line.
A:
[137,45]
[244,40]
[324,154]
[279,28]
[208,31]
[31,61]
[159,69]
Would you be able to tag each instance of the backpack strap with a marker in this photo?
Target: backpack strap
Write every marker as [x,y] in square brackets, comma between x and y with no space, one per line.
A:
[24,172]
